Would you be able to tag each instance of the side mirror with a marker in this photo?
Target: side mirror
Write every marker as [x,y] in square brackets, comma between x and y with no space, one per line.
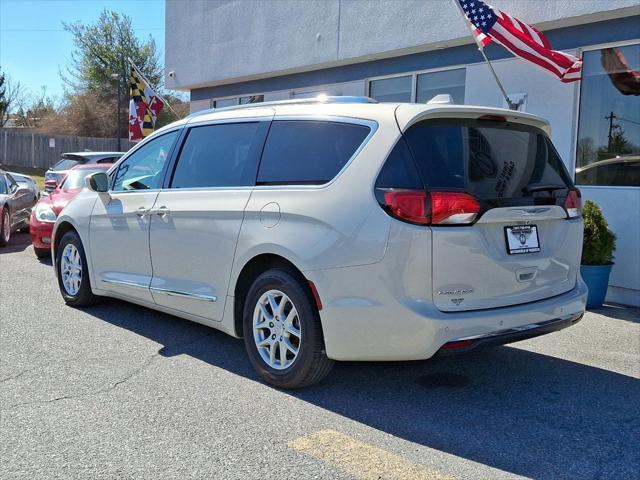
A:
[98,182]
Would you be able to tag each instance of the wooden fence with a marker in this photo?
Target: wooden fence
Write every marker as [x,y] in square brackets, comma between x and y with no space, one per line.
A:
[37,150]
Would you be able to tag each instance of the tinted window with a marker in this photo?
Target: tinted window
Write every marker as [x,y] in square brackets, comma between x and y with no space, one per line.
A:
[492,160]
[399,171]
[224,155]
[107,160]
[308,152]
[143,168]
[3,184]
[65,164]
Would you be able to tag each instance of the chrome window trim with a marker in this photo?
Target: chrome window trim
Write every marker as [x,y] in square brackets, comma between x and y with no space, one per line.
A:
[176,293]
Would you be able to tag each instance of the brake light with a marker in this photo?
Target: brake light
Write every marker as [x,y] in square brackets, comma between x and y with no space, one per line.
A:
[456,208]
[432,208]
[408,205]
[573,204]
[493,118]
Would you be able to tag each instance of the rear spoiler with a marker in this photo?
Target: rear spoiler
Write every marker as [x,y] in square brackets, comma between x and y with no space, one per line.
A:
[409,114]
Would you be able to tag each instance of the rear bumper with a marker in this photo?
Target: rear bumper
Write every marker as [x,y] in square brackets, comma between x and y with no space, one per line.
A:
[502,337]
[365,318]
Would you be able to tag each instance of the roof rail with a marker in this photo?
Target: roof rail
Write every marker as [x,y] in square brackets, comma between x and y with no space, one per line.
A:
[295,101]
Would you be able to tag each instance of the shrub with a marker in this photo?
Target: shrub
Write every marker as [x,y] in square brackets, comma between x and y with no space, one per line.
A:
[599,242]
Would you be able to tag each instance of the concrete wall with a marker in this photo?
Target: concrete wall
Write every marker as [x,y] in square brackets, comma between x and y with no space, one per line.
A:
[211,42]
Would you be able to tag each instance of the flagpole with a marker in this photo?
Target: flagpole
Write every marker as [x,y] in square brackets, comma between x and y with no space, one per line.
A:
[510,104]
[135,67]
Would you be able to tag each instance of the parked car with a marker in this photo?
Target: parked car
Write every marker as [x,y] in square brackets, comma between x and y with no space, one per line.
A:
[16,202]
[70,160]
[44,215]
[26,181]
[621,171]
[341,229]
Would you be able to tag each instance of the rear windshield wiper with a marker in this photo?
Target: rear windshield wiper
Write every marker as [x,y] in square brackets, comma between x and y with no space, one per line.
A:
[543,187]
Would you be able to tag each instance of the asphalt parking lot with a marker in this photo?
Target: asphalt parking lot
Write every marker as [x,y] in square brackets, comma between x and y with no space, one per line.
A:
[119,391]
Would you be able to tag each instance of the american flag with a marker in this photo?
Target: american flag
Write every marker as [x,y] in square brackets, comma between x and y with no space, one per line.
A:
[488,23]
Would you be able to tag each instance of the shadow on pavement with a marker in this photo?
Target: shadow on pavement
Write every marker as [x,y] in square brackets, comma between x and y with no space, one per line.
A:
[619,312]
[511,409]
[18,242]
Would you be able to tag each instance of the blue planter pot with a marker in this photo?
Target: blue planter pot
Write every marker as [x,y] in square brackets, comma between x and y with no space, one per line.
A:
[597,279]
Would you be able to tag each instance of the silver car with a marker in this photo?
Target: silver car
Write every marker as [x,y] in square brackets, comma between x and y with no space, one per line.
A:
[340,229]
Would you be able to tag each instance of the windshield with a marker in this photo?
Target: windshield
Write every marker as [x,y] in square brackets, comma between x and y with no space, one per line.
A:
[65,164]
[495,161]
[75,178]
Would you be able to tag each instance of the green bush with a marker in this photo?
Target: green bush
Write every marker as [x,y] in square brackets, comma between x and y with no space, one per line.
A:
[599,242]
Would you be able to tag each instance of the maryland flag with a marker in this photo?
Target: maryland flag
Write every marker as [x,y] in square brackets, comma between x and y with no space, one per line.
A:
[144,106]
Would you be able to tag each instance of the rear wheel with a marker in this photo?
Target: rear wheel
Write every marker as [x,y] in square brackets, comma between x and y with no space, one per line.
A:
[5,227]
[72,272]
[282,331]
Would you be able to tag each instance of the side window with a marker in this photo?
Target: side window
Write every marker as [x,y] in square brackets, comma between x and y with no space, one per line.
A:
[3,185]
[308,151]
[222,155]
[12,185]
[399,170]
[143,169]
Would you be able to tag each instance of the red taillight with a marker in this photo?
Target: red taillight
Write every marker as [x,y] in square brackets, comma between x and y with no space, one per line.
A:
[493,118]
[573,204]
[432,208]
[408,205]
[453,208]
[458,344]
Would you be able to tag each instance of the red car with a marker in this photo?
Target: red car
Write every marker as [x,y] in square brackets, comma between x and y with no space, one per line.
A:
[46,211]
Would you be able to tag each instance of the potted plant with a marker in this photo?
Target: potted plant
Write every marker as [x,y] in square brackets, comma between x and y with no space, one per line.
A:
[597,253]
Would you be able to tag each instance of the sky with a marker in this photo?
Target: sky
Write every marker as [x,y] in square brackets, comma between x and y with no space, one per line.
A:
[34,46]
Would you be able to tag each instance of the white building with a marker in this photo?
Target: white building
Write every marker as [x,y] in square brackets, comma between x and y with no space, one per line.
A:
[227,52]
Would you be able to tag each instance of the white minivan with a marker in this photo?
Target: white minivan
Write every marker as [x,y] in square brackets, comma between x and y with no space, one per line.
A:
[336,229]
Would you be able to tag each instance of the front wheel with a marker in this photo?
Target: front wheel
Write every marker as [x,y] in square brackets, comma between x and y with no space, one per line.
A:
[282,331]
[72,272]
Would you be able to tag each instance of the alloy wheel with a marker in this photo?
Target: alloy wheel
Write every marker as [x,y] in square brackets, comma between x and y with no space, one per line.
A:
[71,269]
[277,331]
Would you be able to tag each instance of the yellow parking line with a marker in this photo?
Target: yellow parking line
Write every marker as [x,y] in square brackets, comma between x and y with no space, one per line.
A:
[360,459]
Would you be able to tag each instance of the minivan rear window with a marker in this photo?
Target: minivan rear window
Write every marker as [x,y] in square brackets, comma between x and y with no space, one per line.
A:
[495,161]
[308,151]
[65,164]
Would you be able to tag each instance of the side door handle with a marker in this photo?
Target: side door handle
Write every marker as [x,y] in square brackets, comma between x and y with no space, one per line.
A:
[162,211]
[141,212]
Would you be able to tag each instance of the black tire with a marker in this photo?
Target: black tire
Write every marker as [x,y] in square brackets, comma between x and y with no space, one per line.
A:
[42,253]
[5,217]
[83,297]
[311,363]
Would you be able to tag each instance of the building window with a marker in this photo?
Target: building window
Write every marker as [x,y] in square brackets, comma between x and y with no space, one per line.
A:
[225,102]
[435,83]
[608,149]
[396,89]
[251,99]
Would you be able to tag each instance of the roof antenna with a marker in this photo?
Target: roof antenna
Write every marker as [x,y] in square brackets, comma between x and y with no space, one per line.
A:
[441,99]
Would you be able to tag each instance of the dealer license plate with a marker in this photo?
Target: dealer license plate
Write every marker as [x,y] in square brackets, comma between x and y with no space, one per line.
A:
[522,239]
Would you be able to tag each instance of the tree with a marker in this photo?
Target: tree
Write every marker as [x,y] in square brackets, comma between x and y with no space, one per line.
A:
[102,50]
[35,111]
[9,97]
